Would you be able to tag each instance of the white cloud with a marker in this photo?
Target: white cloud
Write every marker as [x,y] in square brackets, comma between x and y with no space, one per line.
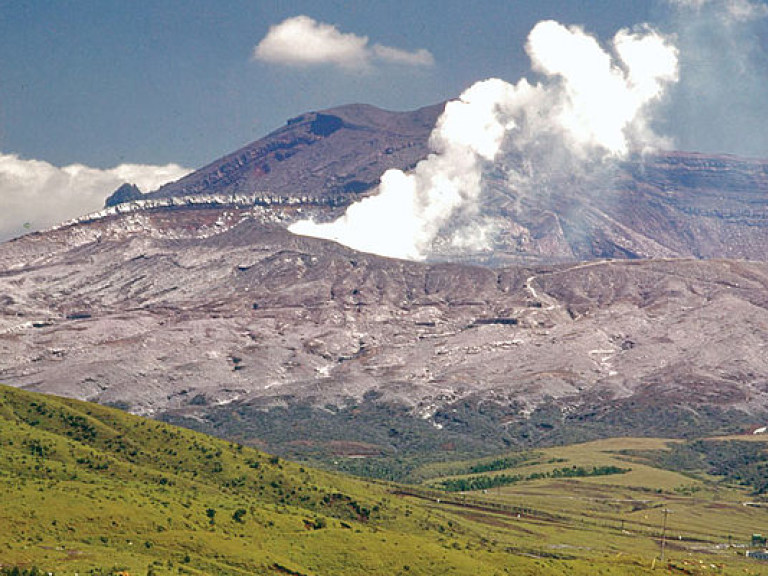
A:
[420,57]
[35,194]
[745,10]
[303,41]
[695,4]
[602,98]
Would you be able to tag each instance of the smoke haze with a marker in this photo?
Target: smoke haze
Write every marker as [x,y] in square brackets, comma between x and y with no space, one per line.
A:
[719,105]
[591,104]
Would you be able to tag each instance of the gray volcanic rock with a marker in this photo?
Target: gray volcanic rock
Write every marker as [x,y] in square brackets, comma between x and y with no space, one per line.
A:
[338,152]
[668,204]
[126,193]
[593,314]
[251,318]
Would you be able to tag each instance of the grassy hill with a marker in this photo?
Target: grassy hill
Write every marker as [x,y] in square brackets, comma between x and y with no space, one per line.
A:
[92,490]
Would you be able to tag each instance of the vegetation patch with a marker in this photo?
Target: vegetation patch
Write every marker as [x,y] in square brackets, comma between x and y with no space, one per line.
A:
[485,482]
[741,461]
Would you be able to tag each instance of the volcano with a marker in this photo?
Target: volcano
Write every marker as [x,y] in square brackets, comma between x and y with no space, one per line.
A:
[633,303]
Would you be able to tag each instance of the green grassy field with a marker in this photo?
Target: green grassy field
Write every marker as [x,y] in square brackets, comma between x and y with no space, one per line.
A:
[91,490]
[710,519]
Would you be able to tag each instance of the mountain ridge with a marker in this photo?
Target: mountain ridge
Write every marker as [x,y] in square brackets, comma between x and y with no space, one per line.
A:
[594,314]
[257,319]
[382,139]
[662,204]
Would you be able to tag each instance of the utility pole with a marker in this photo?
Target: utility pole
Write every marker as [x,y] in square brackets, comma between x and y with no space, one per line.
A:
[664,533]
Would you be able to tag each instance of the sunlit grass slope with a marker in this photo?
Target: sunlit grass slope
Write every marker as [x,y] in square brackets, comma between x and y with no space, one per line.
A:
[84,487]
[88,489]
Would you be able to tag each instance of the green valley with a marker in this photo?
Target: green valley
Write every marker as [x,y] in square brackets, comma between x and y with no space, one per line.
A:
[86,489]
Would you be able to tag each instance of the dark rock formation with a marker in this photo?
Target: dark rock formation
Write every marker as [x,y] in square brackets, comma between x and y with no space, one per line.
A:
[126,193]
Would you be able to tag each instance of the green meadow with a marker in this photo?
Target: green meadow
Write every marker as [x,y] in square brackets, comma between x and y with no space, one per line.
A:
[86,489]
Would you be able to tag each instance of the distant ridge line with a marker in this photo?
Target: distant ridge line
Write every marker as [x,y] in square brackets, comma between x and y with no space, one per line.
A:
[264,199]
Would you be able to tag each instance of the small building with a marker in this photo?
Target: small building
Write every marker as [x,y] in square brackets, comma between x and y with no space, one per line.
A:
[758,554]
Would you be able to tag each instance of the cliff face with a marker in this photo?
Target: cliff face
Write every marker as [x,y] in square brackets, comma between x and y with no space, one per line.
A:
[697,205]
[669,204]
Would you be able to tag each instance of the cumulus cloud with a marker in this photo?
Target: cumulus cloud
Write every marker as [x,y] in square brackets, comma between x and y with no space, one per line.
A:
[592,104]
[35,194]
[303,41]
[601,96]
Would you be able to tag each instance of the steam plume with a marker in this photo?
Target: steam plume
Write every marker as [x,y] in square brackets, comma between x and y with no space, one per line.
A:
[590,105]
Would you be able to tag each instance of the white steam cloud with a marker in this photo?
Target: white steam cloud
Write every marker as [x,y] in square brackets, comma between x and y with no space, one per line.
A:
[591,105]
[410,209]
[35,194]
[303,41]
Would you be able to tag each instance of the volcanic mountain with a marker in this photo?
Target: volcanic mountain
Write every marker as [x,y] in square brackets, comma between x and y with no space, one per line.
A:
[667,204]
[636,302]
[320,156]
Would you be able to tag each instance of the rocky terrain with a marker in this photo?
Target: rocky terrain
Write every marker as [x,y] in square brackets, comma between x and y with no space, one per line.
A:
[337,153]
[139,312]
[669,204]
[636,302]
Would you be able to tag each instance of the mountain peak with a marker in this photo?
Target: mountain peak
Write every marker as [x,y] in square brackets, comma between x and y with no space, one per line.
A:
[126,193]
[339,151]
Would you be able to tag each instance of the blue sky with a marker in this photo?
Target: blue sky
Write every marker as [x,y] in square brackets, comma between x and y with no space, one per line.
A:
[122,87]
[104,82]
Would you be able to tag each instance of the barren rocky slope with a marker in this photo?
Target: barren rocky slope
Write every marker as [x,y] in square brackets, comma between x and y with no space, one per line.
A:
[231,328]
[670,204]
[337,153]
[592,315]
